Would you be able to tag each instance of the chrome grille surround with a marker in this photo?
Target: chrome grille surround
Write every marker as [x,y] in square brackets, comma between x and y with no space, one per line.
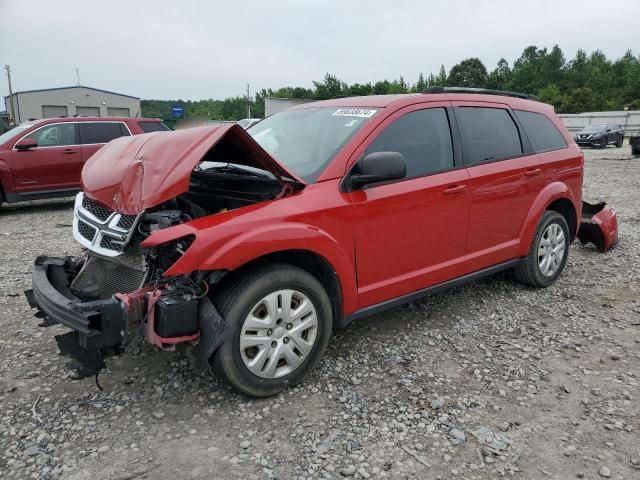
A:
[113,231]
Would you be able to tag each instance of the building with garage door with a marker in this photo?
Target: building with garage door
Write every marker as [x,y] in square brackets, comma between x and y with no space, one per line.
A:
[69,101]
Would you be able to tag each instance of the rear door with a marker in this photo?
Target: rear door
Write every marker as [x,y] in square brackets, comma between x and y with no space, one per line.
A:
[411,233]
[505,178]
[94,135]
[52,165]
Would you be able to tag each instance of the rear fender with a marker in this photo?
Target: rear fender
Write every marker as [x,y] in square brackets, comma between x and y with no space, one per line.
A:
[546,197]
[238,250]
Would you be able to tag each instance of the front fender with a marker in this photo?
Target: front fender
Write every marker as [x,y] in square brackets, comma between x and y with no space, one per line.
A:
[547,195]
[233,251]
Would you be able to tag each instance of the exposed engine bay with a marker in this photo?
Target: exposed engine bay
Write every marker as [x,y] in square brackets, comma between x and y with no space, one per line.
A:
[118,288]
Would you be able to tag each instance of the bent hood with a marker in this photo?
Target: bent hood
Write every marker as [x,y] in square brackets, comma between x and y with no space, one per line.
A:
[131,174]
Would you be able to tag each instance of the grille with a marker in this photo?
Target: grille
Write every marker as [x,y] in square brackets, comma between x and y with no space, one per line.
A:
[126,221]
[87,231]
[111,244]
[103,277]
[96,209]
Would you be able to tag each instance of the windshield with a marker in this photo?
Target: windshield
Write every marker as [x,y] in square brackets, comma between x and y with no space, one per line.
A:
[14,132]
[305,140]
[599,127]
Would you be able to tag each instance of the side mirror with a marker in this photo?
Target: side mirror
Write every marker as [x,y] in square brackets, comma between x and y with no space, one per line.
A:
[379,167]
[26,144]
[608,129]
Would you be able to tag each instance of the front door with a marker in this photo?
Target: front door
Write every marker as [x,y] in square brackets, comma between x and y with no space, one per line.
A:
[411,233]
[52,165]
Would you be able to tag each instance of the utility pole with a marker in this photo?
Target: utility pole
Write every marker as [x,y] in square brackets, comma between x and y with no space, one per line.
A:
[12,118]
[248,103]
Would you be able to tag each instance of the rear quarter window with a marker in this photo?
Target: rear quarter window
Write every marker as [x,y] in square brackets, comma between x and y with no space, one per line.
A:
[147,127]
[543,134]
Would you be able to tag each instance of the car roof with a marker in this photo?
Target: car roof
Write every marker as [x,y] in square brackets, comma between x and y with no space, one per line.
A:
[43,121]
[401,100]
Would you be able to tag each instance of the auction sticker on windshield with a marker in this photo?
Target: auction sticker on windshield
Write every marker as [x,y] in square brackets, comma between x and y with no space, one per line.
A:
[354,112]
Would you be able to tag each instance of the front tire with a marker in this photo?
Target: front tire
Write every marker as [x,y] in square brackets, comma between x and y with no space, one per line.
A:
[548,252]
[603,143]
[279,322]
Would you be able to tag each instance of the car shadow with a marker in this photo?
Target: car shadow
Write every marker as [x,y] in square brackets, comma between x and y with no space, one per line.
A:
[37,205]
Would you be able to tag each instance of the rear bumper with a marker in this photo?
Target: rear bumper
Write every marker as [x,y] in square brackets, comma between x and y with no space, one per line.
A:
[599,226]
[98,323]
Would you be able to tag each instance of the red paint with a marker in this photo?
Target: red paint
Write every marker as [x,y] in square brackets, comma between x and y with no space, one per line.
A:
[49,171]
[384,241]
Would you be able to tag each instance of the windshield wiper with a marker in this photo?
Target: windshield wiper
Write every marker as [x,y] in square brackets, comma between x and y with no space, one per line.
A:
[235,170]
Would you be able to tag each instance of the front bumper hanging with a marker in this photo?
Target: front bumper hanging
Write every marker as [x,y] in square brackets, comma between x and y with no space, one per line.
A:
[97,323]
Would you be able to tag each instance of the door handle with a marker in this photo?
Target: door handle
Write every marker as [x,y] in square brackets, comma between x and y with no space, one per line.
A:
[453,189]
[532,172]
[69,151]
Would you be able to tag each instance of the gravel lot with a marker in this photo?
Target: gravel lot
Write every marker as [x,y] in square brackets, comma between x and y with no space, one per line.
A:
[555,372]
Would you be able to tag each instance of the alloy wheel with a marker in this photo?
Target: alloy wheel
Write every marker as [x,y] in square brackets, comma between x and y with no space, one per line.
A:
[551,250]
[279,333]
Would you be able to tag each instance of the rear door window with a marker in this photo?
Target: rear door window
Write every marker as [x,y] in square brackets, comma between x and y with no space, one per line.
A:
[543,134]
[488,134]
[153,127]
[423,137]
[101,132]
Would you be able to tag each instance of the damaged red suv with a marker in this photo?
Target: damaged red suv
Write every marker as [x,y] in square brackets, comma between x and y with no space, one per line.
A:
[253,246]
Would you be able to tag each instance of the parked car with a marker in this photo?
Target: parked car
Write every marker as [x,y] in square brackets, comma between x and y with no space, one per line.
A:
[634,141]
[43,158]
[599,135]
[248,122]
[255,245]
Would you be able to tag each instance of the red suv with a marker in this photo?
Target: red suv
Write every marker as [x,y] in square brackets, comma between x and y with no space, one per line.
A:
[43,158]
[253,246]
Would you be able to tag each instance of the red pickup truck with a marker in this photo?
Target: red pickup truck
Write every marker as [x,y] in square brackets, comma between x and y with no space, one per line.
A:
[44,158]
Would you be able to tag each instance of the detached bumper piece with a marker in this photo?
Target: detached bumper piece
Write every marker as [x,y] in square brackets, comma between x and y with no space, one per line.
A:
[99,327]
[599,225]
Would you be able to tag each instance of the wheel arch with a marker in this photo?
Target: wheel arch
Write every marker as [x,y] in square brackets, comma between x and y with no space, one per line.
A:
[565,207]
[556,196]
[307,260]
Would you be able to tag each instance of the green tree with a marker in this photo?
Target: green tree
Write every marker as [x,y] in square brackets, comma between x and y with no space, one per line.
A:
[468,73]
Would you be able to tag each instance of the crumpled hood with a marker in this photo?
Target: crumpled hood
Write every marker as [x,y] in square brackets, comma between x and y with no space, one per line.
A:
[131,174]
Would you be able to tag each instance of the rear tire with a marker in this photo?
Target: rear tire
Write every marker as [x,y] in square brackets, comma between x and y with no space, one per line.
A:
[548,252]
[619,142]
[278,324]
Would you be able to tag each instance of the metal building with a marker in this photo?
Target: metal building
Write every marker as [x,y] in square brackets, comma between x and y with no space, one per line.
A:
[69,101]
[275,104]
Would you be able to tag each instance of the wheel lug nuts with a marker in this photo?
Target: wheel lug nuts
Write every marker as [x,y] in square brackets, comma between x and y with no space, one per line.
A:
[285,339]
[289,326]
[269,332]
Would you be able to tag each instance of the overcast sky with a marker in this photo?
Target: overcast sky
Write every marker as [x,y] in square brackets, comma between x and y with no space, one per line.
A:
[208,49]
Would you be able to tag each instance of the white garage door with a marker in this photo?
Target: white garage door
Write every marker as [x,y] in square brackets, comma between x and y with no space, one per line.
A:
[53,111]
[88,111]
[117,112]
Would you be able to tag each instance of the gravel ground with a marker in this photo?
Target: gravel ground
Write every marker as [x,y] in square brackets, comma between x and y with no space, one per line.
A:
[554,373]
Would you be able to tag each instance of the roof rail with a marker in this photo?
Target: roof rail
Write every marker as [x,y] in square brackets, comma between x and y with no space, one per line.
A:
[481,91]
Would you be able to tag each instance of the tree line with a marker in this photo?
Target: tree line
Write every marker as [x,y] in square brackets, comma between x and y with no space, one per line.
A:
[587,82]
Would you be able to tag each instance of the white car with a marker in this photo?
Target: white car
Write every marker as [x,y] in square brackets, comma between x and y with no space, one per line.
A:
[248,122]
